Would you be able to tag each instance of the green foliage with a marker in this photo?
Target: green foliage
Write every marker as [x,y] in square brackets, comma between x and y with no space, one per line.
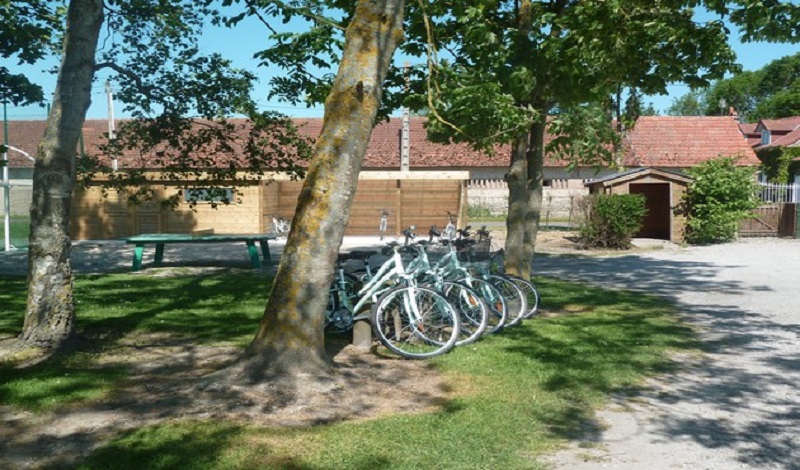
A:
[28,32]
[181,100]
[778,163]
[719,196]
[784,103]
[770,92]
[199,153]
[690,104]
[19,230]
[611,220]
[584,135]
[483,212]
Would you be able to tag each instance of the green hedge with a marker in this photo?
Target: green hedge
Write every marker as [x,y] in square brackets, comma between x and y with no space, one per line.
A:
[719,196]
[611,220]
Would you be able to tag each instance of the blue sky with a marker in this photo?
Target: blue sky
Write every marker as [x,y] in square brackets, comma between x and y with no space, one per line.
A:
[240,44]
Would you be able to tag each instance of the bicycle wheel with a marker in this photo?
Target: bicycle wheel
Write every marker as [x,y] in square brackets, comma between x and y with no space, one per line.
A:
[530,293]
[338,317]
[472,310]
[497,309]
[513,295]
[415,322]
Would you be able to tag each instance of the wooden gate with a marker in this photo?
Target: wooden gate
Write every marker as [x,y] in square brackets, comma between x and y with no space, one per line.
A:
[770,220]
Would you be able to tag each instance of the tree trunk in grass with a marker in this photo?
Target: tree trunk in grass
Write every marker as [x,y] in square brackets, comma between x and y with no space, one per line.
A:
[290,340]
[50,312]
[524,200]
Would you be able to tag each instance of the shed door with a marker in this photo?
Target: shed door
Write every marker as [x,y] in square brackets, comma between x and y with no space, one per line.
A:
[658,220]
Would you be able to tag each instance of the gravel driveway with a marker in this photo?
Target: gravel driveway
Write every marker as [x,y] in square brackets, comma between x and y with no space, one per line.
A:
[737,407]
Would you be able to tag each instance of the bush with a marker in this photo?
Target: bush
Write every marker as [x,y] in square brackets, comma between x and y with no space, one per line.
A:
[719,196]
[483,212]
[611,220]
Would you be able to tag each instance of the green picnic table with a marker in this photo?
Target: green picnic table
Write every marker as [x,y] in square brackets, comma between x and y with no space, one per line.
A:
[161,239]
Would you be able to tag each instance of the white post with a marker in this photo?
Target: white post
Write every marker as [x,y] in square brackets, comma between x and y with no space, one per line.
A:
[6,202]
[6,182]
[111,126]
[405,137]
[405,145]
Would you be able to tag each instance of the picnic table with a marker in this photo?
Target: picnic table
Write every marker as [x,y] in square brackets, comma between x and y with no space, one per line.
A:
[161,239]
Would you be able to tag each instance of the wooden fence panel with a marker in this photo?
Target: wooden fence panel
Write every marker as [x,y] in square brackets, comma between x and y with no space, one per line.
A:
[770,220]
[410,202]
[427,202]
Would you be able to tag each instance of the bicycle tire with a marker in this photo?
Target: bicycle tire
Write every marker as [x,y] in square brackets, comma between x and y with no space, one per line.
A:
[530,293]
[472,310]
[513,295]
[497,309]
[338,319]
[435,333]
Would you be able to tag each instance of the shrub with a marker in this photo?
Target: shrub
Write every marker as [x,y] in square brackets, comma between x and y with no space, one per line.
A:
[611,220]
[719,196]
[482,211]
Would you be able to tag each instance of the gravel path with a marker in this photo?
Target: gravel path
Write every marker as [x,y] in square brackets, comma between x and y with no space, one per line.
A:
[738,407]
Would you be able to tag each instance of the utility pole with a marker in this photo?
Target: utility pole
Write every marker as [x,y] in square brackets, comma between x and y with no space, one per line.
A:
[111,127]
[405,144]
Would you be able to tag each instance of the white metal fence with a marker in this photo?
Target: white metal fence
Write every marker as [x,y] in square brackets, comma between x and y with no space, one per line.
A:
[780,192]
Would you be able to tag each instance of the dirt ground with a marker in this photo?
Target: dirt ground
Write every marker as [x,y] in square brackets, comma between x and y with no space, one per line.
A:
[162,386]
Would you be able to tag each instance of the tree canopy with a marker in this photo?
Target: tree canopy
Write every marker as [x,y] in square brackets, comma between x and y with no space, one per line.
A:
[770,92]
[29,33]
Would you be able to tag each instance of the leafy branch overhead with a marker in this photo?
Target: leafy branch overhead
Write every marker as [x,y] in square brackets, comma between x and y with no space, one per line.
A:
[29,33]
[180,100]
[197,153]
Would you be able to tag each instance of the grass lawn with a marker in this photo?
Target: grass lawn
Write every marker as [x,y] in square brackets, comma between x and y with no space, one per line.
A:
[516,395]
[18,230]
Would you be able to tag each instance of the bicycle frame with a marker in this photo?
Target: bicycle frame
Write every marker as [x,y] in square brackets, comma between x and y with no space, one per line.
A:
[382,281]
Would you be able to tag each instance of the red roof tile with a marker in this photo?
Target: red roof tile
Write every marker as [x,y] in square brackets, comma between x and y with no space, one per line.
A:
[791,139]
[23,135]
[685,141]
[659,141]
[782,125]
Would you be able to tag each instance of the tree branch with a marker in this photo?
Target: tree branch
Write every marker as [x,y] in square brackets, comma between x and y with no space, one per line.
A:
[146,90]
[304,12]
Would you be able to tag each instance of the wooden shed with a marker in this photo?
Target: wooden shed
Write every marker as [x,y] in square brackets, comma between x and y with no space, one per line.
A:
[420,198]
[663,192]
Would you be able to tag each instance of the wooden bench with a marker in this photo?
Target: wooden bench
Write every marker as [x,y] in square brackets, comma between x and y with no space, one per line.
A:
[161,239]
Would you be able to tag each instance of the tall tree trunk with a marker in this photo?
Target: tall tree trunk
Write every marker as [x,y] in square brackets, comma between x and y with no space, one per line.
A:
[525,178]
[290,339]
[525,172]
[50,312]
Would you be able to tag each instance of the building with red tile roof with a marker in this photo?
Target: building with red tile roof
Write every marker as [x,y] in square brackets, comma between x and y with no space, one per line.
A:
[768,136]
[656,141]
[663,142]
[679,142]
[784,132]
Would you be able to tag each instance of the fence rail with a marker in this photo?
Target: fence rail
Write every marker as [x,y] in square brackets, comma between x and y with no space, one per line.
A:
[779,192]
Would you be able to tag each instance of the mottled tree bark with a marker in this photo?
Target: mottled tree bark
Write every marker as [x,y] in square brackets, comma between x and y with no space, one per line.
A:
[290,338]
[50,313]
[524,176]
[524,200]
